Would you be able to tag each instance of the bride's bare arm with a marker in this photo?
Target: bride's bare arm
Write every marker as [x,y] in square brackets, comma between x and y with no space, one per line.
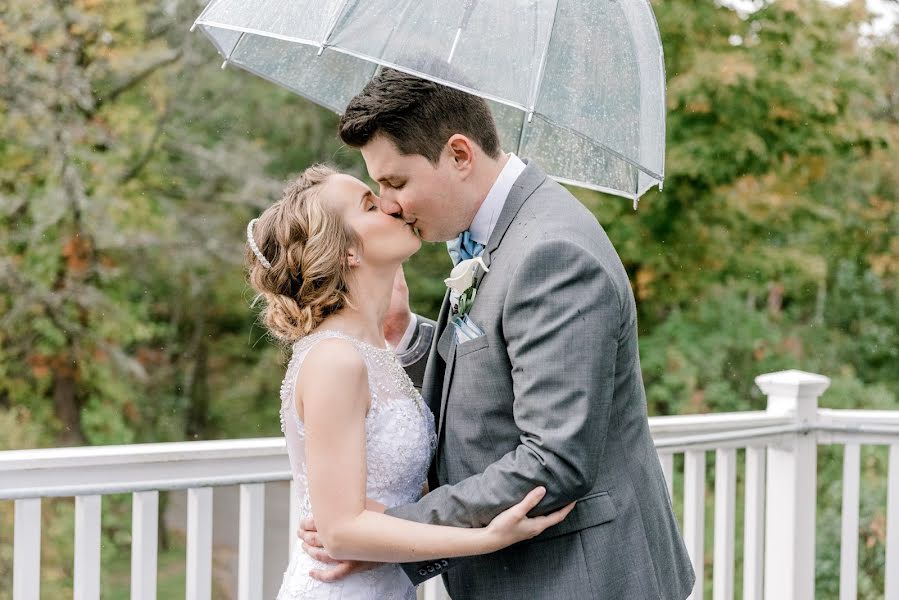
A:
[332,396]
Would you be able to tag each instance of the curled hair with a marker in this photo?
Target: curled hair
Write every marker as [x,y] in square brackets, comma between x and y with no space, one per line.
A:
[307,244]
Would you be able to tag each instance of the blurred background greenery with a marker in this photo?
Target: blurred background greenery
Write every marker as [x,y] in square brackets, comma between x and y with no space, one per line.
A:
[130,165]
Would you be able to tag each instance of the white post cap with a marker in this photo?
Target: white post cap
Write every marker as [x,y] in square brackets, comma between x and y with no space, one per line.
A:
[793,391]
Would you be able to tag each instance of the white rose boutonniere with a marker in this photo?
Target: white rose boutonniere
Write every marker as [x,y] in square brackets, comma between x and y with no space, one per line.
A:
[461,284]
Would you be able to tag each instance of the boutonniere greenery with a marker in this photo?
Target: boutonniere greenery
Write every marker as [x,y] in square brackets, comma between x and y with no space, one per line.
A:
[462,284]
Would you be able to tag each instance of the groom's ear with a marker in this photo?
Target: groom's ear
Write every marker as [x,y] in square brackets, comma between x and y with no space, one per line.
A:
[461,152]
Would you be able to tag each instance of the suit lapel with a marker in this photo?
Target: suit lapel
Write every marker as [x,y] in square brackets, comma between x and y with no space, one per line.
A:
[447,379]
[441,351]
[529,180]
[434,375]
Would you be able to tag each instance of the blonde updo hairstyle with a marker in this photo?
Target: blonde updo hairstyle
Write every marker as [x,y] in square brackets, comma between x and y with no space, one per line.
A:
[307,244]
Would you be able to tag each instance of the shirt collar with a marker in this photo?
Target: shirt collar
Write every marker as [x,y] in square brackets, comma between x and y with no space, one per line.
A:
[487,216]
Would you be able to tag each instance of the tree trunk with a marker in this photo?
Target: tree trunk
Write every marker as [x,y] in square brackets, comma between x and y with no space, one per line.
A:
[198,411]
[67,408]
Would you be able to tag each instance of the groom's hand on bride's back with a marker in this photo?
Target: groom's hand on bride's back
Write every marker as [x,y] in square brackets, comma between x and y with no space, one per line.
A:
[313,546]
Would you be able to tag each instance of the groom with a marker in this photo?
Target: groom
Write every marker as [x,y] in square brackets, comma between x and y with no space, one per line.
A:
[536,382]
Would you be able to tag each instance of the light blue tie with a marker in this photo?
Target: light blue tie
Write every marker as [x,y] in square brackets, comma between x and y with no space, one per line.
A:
[463,248]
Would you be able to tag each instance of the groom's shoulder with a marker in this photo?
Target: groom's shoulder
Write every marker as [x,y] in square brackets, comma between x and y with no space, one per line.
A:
[558,214]
[553,218]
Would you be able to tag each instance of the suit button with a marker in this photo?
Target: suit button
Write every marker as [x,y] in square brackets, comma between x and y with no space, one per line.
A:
[422,572]
[430,568]
[444,563]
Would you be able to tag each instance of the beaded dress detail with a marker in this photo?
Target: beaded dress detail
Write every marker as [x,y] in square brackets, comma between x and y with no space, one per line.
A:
[400,441]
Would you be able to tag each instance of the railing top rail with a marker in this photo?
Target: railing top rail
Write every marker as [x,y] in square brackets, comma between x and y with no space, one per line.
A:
[758,436]
[715,422]
[111,469]
[841,416]
[141,467]
[75,457]
[127,487]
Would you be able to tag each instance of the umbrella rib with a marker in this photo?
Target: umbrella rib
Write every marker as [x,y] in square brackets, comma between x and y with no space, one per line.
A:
[337,14]
[463,23]
[233,48]
[538,81]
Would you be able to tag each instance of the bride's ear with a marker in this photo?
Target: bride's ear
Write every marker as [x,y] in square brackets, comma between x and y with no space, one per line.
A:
[353,258]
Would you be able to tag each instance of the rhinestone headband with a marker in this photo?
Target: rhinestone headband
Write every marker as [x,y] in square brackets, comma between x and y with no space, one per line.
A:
[254,247]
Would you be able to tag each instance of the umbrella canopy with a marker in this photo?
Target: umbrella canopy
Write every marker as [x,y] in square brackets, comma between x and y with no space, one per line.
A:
[577,85]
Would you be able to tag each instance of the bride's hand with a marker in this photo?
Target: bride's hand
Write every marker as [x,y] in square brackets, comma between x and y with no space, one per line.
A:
[398,316]
[513,525]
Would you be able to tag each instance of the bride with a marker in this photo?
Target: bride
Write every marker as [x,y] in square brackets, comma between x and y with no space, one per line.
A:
[359,437]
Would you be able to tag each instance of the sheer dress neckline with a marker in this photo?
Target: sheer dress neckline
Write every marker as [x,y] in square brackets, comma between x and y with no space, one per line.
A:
[321,333]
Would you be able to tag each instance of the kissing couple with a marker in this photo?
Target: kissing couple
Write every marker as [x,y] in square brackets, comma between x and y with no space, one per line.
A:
[525,468]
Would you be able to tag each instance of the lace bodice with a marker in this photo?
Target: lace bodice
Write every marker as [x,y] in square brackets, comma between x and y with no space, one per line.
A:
[400,441]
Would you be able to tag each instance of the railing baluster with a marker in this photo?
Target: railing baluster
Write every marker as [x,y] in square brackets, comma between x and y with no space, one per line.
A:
[252,520]
[754,524]
[694,514]
[432,589]
[725,507]
[199,544]
[87,547]
[849,510]
[892,550]
[667,460]
[294,520]
[144,538]
[26,575]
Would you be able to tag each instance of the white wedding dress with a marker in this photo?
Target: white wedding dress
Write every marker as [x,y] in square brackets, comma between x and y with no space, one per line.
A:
[400,441]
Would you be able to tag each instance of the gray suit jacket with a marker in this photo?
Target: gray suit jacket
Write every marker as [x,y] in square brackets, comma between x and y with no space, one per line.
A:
[551,395]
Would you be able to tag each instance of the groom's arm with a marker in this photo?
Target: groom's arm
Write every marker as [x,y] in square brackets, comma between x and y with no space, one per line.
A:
[561,325]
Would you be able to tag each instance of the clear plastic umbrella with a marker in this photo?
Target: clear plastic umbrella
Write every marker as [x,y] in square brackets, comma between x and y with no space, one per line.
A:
[577,85]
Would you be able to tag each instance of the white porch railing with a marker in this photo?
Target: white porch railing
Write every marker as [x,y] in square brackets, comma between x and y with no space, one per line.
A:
[780,446]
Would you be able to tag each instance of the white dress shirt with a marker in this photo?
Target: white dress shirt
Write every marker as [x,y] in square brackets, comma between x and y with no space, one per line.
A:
[487,216]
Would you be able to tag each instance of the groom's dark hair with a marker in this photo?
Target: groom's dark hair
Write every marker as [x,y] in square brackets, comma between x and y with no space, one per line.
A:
[418,115]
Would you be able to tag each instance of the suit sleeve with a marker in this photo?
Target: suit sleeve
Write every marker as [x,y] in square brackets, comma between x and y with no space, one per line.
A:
[561,323]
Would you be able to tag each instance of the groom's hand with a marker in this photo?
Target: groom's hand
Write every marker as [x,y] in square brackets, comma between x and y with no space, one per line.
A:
[313,547]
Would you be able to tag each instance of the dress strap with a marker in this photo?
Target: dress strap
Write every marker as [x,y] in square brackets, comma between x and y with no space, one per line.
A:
[372,355]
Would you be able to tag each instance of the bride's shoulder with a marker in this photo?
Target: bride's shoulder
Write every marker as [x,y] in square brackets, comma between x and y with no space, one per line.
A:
[335,355]
[332,382]
[334,364]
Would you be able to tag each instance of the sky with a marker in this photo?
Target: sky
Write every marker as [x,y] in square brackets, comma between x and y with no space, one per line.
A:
[887,12]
